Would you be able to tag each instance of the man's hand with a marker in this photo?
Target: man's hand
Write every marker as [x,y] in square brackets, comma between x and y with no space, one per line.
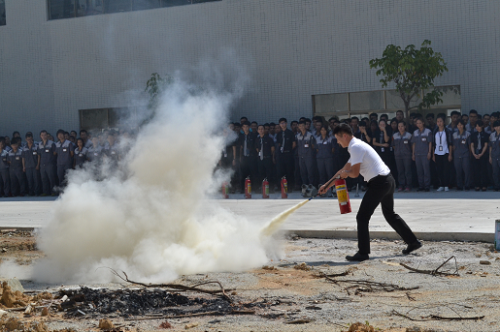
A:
[434,158]
[429,156]
[322,190]
[450,158]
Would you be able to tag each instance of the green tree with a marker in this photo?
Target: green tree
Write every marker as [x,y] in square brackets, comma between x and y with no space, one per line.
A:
[413,71]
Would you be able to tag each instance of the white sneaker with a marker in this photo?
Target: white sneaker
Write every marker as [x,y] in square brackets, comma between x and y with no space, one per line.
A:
[446,189]
[441,189]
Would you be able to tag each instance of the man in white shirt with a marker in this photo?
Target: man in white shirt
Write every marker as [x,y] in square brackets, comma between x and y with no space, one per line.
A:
[381,185]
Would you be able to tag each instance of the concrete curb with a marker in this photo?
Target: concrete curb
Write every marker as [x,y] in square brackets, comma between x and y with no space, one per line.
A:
[426,236]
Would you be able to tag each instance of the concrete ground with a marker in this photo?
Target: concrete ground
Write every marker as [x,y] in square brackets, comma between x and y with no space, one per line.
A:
[433,216]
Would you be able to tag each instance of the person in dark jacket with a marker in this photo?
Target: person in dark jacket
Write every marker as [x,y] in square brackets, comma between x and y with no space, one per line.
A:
[479,149]
[461,155]
[247,156]
[442,153]
[401,141]
[324,155]
[264,146]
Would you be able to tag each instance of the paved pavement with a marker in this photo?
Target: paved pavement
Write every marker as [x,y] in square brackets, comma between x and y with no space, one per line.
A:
[436,216]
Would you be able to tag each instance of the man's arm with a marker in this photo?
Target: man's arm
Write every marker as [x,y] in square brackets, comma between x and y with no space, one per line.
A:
[347,171]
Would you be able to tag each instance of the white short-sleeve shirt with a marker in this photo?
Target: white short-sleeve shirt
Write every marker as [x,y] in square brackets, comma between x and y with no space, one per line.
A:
[371,163]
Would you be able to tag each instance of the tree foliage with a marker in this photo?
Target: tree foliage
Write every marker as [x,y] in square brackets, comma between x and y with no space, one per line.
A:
[413,71]
[155,86]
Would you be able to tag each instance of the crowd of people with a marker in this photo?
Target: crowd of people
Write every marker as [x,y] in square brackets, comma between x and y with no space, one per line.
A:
[39,167]
[461,151]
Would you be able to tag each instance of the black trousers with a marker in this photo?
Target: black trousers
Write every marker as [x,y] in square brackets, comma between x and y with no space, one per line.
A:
[443,170]
[33,177]
[48,176]
[380,191]
[286,166]
[248,168]
[480,171]
[17,183]
[265,168]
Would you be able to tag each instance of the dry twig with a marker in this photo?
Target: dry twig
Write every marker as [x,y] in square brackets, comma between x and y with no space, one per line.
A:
[435,317]
[177,287]
[435,271]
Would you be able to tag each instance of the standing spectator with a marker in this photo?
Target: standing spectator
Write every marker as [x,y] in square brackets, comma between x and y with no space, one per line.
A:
[371,131]
[111,150]
[272,127]
[80,154]
[455,117]
[399,116]
[461,156]
[31,165]
[253,127]
[47,152]
[65,153]
[431,124]
[473,117]
[294,126]
[324,156]
[4,170]
[248,156]
[15,159]
[265,150]
[495,154]
[306,145]
[286,144]
[403,153]
[421,149]
[87,143]
[363,133]
[443,153]
[381,141]
[479,150]
[7,146]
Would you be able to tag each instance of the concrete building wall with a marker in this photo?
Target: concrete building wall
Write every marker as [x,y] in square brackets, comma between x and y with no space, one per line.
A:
[291,49]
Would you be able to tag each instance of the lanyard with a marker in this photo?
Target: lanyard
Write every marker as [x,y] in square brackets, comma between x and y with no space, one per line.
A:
[441,138]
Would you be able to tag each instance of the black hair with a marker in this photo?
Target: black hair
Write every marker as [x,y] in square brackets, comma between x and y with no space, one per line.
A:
[29,135]
[308,120]
[245,123]
[59,132]
[413,114]
[362,123]
[44,131]
[342,128]
[260,126]
[237,124]
[282,119]
[266,124]
[496,123]
[15,132]
[254,122]
[272,124]
[455,113]
[460,121]
[355,118]
[302,122]
[15,141]
[442,116]
[385,121]
[83,131]
[400,111]
[294,122]
[302,118]
[479,123]
[394,120]
[431,115]
[402,122]
[385,115]
[465,115]
[473,111]
[486,114]
[243,118]
[80,139]
[374,115]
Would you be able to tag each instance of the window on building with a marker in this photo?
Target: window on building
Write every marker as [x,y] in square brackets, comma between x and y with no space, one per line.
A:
[3,19]
[117,6]
[89,7]
[145,4]
[59,9]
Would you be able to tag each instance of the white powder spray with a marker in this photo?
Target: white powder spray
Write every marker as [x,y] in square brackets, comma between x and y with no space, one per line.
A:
[155,219]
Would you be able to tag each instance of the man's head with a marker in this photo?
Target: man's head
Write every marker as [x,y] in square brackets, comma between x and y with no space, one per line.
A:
[266,128]
[16,134]
[243,119]
[44,135]
[254,126]
[486,119]
[261,130]
[473,117]
[29,138]
[373,116]
[382,124]
[245,126]
[15,143]
[317,126]
[72,133]
[272,127]
[465,118]
[302,126]
[399,115]
[384,117]
[60,135]
[237,127]
[308,124]
[494,117]
[455,116]
[496,126]
[283,123]
[354,122]
[343,134]
[84,135]
[479,125]
[294,125]
[430,118]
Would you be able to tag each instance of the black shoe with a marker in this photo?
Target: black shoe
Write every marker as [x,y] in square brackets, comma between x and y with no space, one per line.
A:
[357,257]
[412,247]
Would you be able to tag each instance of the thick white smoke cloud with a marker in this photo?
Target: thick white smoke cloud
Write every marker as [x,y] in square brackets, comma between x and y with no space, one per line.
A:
[155,219]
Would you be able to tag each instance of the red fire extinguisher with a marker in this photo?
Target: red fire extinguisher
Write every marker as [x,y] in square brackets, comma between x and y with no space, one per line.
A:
[265,189]
[343,196]
[225,190]
[284,188]
[248,188]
